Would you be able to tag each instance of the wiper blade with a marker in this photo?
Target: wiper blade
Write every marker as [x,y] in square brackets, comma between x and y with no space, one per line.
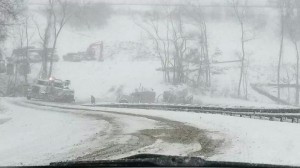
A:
[153,160]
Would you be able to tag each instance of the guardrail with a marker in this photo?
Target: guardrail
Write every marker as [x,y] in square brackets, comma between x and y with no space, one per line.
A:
[282,114]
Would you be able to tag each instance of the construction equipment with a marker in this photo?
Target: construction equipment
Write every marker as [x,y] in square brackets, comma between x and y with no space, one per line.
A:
[33,54]
[73,57]
[51,89]
[93,52]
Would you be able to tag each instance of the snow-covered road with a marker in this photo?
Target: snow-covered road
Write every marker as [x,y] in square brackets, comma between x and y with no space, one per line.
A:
[32,135]
[39,134]
[244,139]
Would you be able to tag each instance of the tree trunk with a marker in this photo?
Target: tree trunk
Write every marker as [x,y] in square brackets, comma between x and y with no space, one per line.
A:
[242,61]
[27,59]
[280,55]
[45,46]
[206,56]
[297,75]
[51,57]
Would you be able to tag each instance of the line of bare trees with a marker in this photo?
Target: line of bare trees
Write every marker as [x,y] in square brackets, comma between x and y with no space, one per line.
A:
[290,30]
[181,60]
[10,12]
[184,51]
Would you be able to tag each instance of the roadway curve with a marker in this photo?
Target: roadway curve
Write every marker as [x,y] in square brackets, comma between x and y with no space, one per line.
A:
[126,134]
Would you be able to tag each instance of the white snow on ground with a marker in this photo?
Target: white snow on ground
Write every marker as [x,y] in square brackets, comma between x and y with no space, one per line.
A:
[232,102]
[247,140]
[103,79]
[38,136]
[33,136]
[25,137]
[99,78]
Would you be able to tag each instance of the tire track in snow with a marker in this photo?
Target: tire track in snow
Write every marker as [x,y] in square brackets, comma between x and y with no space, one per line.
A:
[107,140]
[110,146]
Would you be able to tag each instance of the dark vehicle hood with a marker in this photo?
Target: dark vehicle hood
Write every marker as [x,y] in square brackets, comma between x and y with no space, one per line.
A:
[154,160]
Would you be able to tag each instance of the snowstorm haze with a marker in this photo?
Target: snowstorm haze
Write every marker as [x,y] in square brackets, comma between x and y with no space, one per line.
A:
[107,79]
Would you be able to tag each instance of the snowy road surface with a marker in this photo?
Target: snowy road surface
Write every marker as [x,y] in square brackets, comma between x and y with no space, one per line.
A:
[33,135]
[107,133]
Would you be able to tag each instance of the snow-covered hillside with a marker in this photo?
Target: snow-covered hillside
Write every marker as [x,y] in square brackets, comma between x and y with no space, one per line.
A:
[130,61]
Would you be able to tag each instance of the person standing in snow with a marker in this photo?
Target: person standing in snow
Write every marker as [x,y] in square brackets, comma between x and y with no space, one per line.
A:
[93,100]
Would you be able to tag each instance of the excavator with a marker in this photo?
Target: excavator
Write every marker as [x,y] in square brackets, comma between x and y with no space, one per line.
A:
[93,52]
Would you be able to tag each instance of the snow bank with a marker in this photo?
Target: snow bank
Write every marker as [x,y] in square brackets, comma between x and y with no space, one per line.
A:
[35,137]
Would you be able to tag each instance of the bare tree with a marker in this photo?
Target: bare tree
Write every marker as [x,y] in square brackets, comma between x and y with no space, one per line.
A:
[45,40]
[173,45]
[162,46]
[60,18]
[282,17]
[293,27]
[9,12]
[25,66]
[165,29]
[288,78]
[204,67]
[57,17]
[240,12]
[179,40]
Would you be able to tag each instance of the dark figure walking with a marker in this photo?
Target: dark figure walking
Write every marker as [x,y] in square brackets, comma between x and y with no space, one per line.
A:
[93,100]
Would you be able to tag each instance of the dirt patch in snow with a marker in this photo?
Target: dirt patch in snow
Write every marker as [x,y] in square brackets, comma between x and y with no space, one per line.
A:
[118,143]
[170,132]
[183,134]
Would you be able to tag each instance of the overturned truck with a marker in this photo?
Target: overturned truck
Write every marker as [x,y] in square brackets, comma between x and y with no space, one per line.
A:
[54,90]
